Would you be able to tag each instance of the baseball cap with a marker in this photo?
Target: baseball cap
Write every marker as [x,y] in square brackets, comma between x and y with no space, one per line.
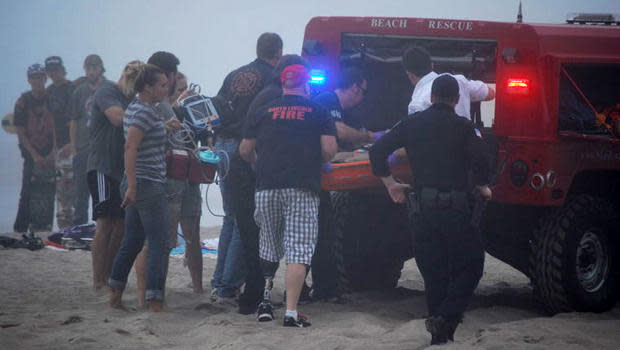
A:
[53,62]
[35,69]
[93,60]
[293,76]
[445,86]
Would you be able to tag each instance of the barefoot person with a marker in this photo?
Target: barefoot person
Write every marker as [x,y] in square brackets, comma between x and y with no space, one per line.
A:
[184,198]
[105,169]
[147,215]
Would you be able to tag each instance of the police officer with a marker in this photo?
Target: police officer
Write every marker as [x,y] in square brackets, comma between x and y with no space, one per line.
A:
[443,149]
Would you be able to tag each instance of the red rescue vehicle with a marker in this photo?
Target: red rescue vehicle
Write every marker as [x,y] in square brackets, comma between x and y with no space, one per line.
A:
[553,130]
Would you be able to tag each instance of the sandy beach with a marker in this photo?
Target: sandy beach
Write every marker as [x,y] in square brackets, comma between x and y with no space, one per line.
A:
[46,302]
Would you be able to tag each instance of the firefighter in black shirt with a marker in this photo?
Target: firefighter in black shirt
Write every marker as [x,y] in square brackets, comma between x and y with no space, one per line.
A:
[443,150]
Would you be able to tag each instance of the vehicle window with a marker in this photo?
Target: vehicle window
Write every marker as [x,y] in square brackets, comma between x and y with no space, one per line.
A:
[587,92]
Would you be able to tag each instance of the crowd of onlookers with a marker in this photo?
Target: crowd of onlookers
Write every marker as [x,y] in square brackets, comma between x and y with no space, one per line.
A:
[93,138]
[97,141]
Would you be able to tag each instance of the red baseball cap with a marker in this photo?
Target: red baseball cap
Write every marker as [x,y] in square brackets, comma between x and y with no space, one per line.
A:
[294,76]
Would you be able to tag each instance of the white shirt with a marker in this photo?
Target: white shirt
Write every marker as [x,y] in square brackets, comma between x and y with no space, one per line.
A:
[469,91]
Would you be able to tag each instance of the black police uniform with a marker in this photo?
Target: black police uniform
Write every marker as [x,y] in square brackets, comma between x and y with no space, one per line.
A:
[443,150]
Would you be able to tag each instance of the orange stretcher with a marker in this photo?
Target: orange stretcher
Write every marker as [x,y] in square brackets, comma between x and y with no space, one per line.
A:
[352,171]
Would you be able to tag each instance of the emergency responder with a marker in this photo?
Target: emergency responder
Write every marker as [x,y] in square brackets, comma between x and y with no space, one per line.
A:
[267,95]
[442,149]
[350,91]
[288,139]
[419,69]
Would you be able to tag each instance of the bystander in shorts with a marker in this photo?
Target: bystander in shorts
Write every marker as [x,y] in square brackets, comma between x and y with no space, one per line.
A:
[187,196]
[288,221]
[106,195]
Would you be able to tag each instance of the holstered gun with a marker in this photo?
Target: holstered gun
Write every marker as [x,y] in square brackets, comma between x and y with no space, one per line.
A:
[413,204]
[432,198]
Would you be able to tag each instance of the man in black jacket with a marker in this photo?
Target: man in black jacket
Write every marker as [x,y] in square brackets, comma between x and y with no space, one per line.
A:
[239,235]
[443,148]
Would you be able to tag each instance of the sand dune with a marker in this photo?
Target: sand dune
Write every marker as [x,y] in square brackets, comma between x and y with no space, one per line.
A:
[47,303]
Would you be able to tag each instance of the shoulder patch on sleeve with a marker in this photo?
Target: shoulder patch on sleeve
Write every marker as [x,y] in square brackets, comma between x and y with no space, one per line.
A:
[336,114]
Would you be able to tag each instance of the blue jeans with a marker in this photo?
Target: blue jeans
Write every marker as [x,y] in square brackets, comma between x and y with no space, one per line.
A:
[145,219]
[229,272]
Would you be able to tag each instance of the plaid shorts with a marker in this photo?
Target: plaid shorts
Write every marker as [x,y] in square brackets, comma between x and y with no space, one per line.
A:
[288,221]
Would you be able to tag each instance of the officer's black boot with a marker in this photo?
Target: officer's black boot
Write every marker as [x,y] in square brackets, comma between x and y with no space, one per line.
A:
[437,326]
[451,328]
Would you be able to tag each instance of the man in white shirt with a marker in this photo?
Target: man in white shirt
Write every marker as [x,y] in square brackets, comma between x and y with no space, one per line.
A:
[419,69]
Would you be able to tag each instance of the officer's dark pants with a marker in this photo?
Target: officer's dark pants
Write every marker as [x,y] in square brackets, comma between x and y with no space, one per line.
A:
[22,221]
[243,181]
[450,256]
[324,271]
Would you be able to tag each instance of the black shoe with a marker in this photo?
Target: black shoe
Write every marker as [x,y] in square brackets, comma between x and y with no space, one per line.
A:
[451,328]
[248,304]
[265,312]
[300,322]
[437,326]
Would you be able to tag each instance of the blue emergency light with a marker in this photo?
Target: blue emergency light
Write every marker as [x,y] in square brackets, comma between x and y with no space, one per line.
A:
[317,76]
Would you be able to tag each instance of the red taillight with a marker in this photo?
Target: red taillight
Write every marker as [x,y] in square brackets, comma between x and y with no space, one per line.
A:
[518,86]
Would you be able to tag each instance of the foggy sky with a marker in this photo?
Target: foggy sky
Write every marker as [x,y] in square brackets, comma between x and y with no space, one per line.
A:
[210,38]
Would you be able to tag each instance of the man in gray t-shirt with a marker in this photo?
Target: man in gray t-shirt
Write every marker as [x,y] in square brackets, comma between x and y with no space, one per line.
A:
[107,140]
[105,169]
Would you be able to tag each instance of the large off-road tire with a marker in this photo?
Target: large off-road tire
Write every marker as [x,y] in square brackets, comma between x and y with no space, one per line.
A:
[372,241]
[575,257]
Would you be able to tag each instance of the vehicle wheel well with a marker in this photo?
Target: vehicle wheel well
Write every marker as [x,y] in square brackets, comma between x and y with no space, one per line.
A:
[599,183]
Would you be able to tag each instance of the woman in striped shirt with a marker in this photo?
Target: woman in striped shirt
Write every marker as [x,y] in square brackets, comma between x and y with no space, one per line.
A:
[146,215]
